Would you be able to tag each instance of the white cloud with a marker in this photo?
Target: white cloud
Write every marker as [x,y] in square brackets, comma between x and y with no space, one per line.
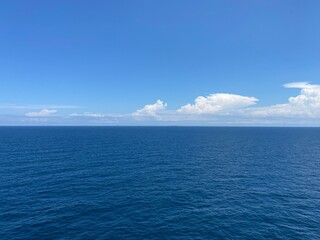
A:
[307,104]
[219,102]
[151,109]
[42,113]
[97,115]
[88,114]
[30,107]
[301,85]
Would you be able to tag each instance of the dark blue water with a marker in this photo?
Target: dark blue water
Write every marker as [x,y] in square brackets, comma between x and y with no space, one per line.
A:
[159,183]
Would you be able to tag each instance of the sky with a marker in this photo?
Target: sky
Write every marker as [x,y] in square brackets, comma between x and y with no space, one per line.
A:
[166,63]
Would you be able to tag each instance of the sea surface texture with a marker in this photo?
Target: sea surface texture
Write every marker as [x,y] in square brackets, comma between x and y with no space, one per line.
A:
[159,183]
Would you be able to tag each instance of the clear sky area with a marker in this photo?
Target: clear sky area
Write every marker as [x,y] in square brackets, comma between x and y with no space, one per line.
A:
[177,62]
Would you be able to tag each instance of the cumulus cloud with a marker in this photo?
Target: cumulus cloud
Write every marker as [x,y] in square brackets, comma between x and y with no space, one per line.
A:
[218,102]
[306,104]
[151,109]
[42,113]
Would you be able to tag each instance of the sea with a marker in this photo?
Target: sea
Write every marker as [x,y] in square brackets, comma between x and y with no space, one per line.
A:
[159,183]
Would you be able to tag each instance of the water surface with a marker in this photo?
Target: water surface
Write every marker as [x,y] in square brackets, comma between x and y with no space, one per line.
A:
[159,183]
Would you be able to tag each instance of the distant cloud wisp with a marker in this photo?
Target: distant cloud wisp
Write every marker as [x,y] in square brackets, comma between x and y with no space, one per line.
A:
[88,114]
[42,113]
[301,85]
[31,106]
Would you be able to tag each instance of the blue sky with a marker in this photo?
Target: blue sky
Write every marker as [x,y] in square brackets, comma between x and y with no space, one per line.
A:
[101,62]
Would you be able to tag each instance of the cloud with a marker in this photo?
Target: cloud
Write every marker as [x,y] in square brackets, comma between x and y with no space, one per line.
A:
[301,85]
[215,109]
[88,114]
[42,113]
[151,109]
[97,115]
[307,104]
[219,102]
[29,106]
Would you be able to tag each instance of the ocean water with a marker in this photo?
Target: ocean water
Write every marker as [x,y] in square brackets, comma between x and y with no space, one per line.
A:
[159,183]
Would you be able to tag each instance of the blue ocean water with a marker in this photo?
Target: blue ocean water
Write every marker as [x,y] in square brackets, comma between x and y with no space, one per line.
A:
[159,183]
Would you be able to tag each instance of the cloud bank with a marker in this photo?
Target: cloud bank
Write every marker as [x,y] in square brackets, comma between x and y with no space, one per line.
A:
[214,109]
